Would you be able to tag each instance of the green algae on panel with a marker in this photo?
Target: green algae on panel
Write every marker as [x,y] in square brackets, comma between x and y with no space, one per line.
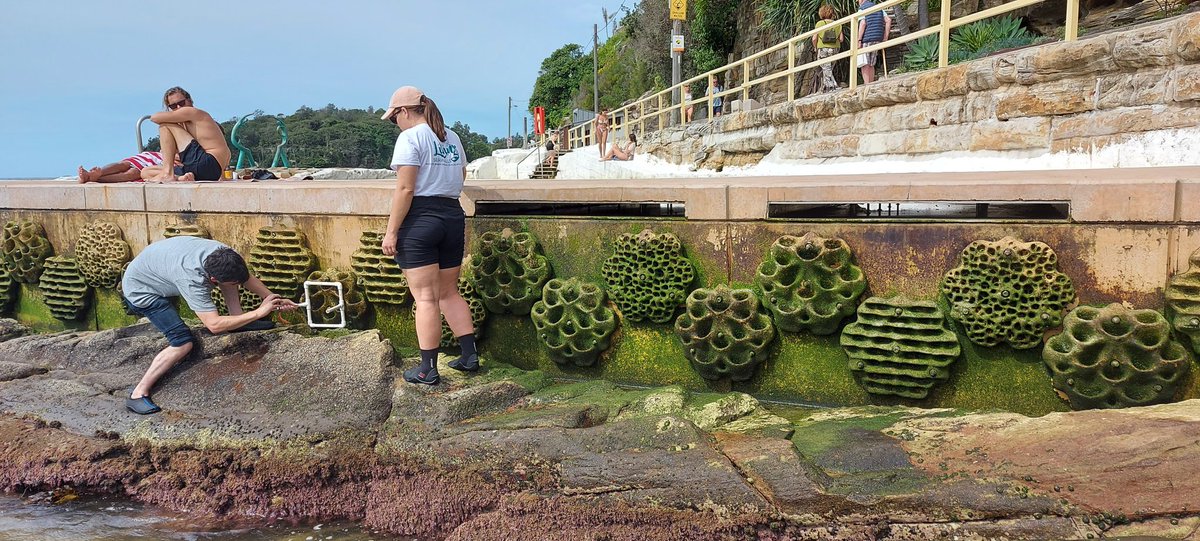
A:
[102,254]
[648,276]
[1007,291]
[65,292]
[32,311]
[396,324]
[1183,303]
[24,249]
[1116,357]
[110,311]
[724,333]
[573,321]
[509,271]
[324,298]
[900,346]
[810,283]
[380,276]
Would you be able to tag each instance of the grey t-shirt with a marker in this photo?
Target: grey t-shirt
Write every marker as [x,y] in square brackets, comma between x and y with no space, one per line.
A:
[171,268]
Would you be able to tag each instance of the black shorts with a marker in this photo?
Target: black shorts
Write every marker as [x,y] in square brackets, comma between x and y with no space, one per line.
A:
[434,231]
[198,162]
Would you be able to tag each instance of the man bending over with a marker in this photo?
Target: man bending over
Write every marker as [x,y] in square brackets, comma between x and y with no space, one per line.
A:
[192,133]
[189,267]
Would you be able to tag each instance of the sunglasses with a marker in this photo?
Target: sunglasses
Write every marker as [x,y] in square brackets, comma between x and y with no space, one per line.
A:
[396,113]
[176,105]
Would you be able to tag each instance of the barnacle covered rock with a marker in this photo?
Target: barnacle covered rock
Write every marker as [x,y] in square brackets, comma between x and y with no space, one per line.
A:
[1115,357]
[186,230]
[509,271]
[810,283]
[102,254]
[381,278]
[724,333]
[324,298]
[574,322]
[1183,303]
[281,260]
[1007,291]
[24,249]
[64,289]
[900,346]
[647,276]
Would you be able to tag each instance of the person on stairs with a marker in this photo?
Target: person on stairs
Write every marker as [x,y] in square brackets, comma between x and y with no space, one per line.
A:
[426,229]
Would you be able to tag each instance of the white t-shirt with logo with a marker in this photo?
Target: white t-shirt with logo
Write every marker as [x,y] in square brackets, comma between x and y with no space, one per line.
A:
[440,164]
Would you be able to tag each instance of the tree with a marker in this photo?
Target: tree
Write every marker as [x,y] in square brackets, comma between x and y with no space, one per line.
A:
[557,81]
[476,145]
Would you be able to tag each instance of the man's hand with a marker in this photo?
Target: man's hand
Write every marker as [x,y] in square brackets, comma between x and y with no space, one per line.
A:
[286,305]
[268,306]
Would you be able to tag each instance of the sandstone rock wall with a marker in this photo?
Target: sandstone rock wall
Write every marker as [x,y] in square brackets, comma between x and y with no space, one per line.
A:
[1061,97]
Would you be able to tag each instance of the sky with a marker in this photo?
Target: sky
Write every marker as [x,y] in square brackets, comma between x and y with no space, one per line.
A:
[75,75]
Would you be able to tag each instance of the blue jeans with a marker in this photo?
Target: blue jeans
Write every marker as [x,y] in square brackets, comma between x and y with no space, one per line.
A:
[164,318]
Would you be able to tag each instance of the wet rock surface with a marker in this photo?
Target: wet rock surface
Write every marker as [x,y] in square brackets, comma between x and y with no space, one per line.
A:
[276,424]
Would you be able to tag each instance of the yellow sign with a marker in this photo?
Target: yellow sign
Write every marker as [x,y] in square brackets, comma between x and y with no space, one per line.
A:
[678,10]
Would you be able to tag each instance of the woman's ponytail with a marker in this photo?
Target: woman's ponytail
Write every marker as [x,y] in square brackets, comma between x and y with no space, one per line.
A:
[433,117]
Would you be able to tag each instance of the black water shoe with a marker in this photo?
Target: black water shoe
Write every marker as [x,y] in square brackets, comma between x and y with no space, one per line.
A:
[415,375]
[466,363]
[142,406]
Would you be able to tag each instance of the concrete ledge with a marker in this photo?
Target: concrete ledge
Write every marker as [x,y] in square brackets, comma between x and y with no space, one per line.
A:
[1142,195]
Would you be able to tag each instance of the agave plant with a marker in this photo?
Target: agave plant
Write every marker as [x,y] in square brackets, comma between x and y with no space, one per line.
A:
[982,35]
[790,17]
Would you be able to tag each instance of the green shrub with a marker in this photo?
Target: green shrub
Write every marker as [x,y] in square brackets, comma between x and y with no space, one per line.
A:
[968,42]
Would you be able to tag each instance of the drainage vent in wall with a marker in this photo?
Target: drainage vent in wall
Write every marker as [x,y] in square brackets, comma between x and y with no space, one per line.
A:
[924,210]
[547,208]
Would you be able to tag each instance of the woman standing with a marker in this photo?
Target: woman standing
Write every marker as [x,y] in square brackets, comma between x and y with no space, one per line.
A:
[426,228]
[602,130]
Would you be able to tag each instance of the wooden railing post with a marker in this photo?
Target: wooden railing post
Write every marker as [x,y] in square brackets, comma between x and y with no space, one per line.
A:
[642,117]
[1071,32]
[712,110]
[745,84]
[791,78]
[854,49]
[944,36]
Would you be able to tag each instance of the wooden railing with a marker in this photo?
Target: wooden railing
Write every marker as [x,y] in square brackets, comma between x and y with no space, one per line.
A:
[667,102]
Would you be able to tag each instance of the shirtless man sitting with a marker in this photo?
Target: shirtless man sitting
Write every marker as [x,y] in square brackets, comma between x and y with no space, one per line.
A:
[194,135]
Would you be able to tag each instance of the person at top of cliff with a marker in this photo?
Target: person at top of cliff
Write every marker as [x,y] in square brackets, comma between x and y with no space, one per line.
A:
[135,168]
[189,268]
[602,130]
[873,28]
[426,228]
[191,132]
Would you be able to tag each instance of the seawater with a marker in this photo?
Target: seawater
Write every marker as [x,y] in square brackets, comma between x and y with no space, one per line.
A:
[104,519]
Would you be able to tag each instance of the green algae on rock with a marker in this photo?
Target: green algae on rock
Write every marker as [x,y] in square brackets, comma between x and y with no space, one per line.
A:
[900,346]
[1183,303]
[323,298]
[509,271]
[724,333]
[810,283]
[24,249]
[66,292]
[1007,291]
[574,322]
[380,276]
[1115,357]
[648,276]
[186,230]
[102,254]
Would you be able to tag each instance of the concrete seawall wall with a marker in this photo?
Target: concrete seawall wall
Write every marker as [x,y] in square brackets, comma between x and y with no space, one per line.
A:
[1125,233]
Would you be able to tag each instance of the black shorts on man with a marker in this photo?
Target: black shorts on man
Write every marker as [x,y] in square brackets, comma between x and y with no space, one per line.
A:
[197,161]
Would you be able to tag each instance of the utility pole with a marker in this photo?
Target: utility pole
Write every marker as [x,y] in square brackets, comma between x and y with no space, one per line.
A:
[508,135]
[596,68]
[525,141]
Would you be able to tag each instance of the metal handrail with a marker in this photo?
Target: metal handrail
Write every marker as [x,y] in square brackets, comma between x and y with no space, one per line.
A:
[138,128]
[517,170]
[945,24]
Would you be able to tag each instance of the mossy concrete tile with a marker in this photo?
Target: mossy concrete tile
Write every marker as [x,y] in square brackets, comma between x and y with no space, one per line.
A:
[396,323]
[110,311]
[33,312]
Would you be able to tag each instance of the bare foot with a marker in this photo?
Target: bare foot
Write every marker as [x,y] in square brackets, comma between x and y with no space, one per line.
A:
[188,177]
[162,178]
[84,176]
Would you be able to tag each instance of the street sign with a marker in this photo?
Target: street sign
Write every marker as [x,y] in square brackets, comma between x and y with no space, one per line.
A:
[539,120]
[677,43]
[678,10]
